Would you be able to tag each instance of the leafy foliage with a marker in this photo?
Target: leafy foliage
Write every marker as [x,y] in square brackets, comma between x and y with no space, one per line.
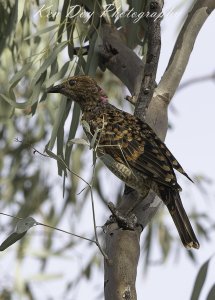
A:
[39,47]
[200,281]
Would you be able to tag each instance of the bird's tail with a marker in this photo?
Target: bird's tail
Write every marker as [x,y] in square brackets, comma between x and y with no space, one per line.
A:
[180,218]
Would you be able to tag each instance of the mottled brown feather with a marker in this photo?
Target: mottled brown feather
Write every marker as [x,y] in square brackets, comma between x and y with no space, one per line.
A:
[136,154]
[131,142]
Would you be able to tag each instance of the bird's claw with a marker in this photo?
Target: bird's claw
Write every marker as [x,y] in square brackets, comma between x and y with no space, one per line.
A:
[124,222]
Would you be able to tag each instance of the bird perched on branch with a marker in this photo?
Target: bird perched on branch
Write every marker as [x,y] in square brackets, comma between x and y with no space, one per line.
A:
[130,149]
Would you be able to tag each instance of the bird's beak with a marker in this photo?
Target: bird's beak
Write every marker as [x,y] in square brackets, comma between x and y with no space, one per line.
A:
[55,89]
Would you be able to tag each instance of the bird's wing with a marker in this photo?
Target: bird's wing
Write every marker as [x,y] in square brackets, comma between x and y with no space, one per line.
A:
[129,140]
[173,161]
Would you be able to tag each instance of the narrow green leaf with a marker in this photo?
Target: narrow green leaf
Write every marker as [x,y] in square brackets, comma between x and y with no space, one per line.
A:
[94,158]
[92,57]
[54,67]
[31,101]
[72,132]
[12,103]
[42,31]
[63,20]
[60,135]
[191,255]
[88,270]
[57,123]
[49,60]
[57,158]
[21,6]
[73,129]
[200,280]
[6,110]
[86,126]
[34,99]
[44,277]
[148,246]
[165,239]
[13,238]
[19,75]
[59,75]
[211,295]
[25,224]
[93,141]
[11,21]
[78,141]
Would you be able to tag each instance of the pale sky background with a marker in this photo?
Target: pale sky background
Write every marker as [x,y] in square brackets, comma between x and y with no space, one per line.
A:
[192,142]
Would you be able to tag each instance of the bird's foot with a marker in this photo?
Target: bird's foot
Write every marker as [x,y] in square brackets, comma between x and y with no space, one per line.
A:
[128,222]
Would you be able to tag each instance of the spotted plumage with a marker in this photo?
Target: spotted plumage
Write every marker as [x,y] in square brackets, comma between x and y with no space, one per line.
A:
[136,154]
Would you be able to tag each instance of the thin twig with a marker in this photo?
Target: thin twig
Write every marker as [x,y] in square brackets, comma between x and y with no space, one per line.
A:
[94,216]
[49,226]
[199,79]
[14,217]
[92,201]
[29,145]
[67,232]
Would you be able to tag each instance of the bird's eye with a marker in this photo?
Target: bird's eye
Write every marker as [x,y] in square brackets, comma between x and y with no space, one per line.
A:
[72,82]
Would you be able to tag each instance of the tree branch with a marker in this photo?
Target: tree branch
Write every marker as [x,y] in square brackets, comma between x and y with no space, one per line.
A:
[183,48]
[120,243]
[153,54]
[195,80]
[122,246]
[113,54]
[120,274]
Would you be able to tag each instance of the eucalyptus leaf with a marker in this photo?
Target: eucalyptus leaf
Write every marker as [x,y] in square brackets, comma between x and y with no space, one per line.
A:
[72,132]
[34,99]
[13,103]
[73,129]
[60,135]
[6,110]
[78,141]
[13,238]
[86,126]
[45,276]
[211,295]
[63,20]
[92,57]
[21,6]
[93,141]
[94,158]
[59,75]
[57,158]
[25,224]
[42,31]
[49,60]
[19,75]
[200,280]
[57,122]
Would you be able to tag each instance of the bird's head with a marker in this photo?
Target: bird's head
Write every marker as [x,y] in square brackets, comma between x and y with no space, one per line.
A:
[82,89]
